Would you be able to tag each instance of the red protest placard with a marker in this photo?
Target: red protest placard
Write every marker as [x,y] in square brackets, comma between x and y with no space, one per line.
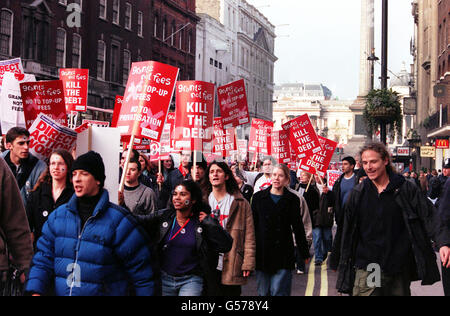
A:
[233,104]
[281,150]
[155,150]
[75,82]
[147,98]
[12,65]
[194,115]
[302,136]
[46,135]
[45,97]
[260,137]
[332,177]
[117,108]
[242,149]
[224,139]
[321,160]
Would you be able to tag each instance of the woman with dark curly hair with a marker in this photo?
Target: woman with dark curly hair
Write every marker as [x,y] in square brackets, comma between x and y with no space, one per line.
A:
[188,241]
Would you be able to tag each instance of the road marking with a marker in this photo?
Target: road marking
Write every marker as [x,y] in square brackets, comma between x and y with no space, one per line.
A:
[311,280]
[324,280]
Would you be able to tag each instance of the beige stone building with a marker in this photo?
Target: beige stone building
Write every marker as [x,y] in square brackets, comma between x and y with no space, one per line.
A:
[429,47]
[332,119]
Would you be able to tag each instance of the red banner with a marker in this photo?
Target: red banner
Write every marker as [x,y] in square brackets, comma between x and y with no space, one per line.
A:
[147,98]
[45,97]
[233,104]
[194,115]
[281,150]
[303,137]
[224,139]
[321,160]
[75,82]
[260,137]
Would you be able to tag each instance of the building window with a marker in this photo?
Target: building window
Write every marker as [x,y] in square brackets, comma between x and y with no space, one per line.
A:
[61,48]
[115,62]
[101,57]
[76,51]
[126,66]
[140,23]
[172,35]
[102,13]
[116,11]
[6,32]
[190,43]
[164,26]
[128,15]
[36,37]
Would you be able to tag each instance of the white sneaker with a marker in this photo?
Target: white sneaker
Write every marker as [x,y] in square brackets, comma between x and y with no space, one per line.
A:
[300,272]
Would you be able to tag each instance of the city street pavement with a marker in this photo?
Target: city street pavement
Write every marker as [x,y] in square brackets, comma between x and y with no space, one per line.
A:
[320,281]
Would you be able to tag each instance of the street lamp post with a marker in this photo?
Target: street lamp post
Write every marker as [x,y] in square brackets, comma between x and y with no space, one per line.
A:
[372,58]
[384,60]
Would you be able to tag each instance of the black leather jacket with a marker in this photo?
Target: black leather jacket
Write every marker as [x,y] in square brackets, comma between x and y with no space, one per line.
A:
[422,222]
[211,239]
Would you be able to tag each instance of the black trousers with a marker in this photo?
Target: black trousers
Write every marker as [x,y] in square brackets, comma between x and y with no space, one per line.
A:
[220,289]
[446,280]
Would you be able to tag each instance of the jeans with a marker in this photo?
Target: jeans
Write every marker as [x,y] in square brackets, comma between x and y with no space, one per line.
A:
[323,242]
[278,284]
[188,285]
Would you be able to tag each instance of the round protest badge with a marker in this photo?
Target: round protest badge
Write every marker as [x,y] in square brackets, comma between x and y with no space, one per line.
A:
[165,224]
[199,230]
[45,213]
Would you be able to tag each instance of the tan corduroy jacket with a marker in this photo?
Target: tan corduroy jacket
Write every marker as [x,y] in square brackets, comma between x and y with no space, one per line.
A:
[13,222]
[241,258]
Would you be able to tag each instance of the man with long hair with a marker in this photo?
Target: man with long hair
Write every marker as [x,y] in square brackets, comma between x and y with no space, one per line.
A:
[387,230]
[235,215]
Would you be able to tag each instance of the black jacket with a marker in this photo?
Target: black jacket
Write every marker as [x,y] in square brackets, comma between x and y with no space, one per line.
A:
[274,225]
[422,223]
[339,217]
[41,204]
[211,239]
[444,204]
[247,192]
[323,216]
[436,187]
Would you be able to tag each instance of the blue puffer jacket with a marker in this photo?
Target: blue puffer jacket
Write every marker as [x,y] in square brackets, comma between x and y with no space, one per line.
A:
[106,257]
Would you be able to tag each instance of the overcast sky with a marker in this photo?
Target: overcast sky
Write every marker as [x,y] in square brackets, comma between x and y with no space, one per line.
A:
[323,42]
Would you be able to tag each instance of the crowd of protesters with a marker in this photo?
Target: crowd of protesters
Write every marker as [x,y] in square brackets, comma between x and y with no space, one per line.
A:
[202,229]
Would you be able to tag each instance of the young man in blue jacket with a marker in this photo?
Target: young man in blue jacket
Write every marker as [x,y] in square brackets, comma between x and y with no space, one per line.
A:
[89,246]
